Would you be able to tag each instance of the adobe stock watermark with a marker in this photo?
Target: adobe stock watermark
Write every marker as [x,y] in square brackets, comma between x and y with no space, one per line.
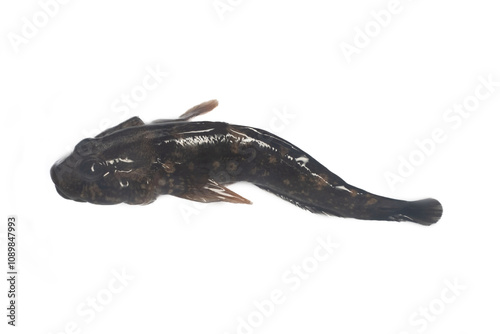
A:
[420,320]
[281,118]
[379,20]
[127,101]
[291,280]
[222,7]
[453,118]
[88,310]
[31,26]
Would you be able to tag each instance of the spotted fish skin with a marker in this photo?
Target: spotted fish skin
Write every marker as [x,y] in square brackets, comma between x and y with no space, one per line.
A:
[134,163]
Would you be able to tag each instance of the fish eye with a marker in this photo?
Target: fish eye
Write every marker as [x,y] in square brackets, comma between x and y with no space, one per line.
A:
[92,169]
[85,147]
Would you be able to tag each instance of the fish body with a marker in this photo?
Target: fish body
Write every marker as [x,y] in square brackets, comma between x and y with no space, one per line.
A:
[134,163]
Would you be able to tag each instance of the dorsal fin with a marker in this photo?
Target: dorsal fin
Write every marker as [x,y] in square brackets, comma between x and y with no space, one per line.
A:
[134,121]
[200,109]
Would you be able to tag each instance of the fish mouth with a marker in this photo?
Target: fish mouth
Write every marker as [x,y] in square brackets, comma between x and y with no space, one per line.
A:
[56,178]
[60,192]
[63,195]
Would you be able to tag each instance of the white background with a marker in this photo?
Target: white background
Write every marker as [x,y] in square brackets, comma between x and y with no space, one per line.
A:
[199,269]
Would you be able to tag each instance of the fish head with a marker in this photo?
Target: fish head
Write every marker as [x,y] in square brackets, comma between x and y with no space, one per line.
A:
[105,171]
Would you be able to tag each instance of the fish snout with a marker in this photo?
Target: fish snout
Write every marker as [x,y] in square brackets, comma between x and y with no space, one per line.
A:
[59,172]
[59,191]
[53,174]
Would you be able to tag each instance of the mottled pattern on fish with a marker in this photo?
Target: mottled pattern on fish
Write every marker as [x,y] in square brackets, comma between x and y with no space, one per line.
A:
[134,163]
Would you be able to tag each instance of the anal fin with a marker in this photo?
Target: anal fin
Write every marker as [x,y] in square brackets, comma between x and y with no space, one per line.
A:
[213,192]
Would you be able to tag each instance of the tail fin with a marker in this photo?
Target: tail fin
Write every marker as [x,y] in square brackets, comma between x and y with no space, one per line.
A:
[425,212]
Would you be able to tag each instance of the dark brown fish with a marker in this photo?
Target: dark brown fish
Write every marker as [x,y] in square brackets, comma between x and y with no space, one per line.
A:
[134,163]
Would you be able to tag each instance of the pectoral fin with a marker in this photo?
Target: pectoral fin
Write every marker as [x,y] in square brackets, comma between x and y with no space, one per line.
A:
[214,192]
[134,121]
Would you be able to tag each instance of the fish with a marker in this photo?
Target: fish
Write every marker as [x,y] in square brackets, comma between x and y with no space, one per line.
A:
[134,163]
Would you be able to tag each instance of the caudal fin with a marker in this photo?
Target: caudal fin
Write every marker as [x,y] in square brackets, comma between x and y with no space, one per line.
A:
[425,212]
